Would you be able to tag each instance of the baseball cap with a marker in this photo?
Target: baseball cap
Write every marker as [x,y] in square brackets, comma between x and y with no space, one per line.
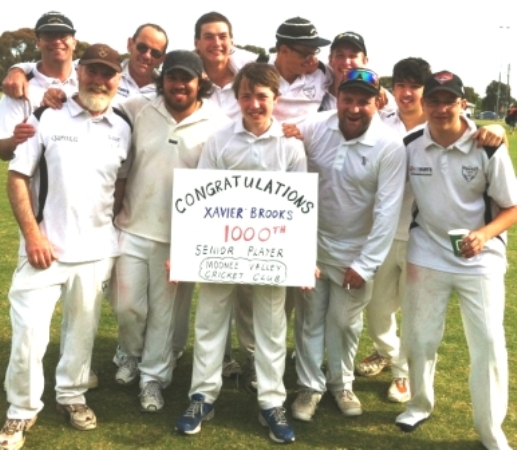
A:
[300,31]
[186,60]
[349,37]
[101,54]
[362,78]
[444,81]
[54,21]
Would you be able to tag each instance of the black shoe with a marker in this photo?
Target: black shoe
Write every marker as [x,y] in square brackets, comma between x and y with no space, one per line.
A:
[407,428]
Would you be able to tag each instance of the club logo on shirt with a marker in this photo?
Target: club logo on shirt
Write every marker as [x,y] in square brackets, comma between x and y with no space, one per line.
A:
[57,138]
[309,91]
[422,171]
[469,172]
[363,160]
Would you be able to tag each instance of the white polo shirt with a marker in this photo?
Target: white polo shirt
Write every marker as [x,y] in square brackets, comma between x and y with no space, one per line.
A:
[235,148]
[449,186]
[394,121]
[361,182]
[160,144]
[74,196]
[303,96]
[13,111]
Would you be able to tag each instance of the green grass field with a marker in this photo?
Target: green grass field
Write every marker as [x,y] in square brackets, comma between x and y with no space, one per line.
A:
[122,426]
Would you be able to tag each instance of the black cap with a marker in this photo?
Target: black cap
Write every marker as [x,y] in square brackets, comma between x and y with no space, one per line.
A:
[361,78]
[350,37]
[444,81]
[186,60]
[300,31]
[101,54]
[54,21]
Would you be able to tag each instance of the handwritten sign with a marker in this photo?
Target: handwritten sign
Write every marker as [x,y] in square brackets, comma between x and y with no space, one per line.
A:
[247,227]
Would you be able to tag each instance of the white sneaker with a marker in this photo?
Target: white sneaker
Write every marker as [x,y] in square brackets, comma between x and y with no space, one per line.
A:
[93,380]
[399,391]
[151,399]
[128,371]
[305,404]
[119,357]
[12,434]
[231,367]
[348,403]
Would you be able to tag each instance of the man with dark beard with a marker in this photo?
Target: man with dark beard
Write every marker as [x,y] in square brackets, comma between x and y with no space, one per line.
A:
[168,132]
[62,189]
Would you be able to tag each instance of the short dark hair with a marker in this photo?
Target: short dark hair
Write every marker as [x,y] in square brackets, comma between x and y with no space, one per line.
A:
[415,70]
[211,17]
[157,28]
[258,74]
[206,87]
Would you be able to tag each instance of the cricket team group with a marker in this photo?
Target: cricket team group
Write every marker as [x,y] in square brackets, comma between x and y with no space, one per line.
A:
[90,182]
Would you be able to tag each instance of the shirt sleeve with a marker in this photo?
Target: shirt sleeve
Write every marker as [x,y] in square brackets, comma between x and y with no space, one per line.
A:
[27,155]
[388,202]
[502,185]
[208,158]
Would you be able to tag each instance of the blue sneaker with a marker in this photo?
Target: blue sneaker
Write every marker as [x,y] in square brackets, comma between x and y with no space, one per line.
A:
[197,412]
[279,429]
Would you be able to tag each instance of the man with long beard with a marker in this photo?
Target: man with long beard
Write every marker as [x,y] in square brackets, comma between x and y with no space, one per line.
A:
[62,189]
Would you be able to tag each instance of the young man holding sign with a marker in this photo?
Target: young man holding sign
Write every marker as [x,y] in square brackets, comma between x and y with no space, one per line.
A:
[255,142]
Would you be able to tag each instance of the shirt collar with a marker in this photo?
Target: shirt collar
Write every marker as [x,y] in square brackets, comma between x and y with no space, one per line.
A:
[463,144]
[275,130]
[368,138]
[76,110]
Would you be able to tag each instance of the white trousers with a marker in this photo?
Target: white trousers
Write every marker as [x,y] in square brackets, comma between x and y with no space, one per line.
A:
[144,304]
[481,300]
[328,315]
[33,296]
[387,293]
[213,314]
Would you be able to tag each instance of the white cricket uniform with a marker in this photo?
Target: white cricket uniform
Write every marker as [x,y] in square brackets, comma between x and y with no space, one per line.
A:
[13,111]
[303,96]
[234,148]
[460,186]
[73,162]
[390,279]
[361,183]
[143,301]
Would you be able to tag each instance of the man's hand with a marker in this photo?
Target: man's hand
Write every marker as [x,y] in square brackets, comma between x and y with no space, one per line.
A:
[39,251]
[490,135]
[15,84]
[317,274]
[168,271]
[383,98]
[23,131]
[291,130]
[472,244]
[54,98]
[352,279]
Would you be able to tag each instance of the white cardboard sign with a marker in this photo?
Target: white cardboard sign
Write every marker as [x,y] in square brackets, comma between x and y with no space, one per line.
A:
[249,227]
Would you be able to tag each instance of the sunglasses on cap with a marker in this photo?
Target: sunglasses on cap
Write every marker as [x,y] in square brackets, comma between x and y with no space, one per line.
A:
[366,75]
[144,48]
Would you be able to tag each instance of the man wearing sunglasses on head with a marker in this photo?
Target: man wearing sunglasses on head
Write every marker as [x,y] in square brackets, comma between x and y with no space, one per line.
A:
[362,168]
[146,52]
[55,38]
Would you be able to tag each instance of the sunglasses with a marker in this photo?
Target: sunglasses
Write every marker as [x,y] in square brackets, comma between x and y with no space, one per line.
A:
[305,55]
[366,75]
[144,48]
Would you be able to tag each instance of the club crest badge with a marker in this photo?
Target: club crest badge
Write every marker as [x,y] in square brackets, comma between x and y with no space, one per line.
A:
[469,172]
[443,77]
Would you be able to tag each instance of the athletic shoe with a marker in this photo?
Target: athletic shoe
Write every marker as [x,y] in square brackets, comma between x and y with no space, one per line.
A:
[279,429]
[12,434]
[251,379]
[80,416]
[305,404]
[119,357]
[127,372]
[372,365]
[231,367]
[347,402]
[399,391]
[197,412]
[407,428]
[93,380]
[151,399]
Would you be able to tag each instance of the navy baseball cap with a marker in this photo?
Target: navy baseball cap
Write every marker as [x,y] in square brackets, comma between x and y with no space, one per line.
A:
[300,31]
[351,38]
[444,81]
[361,78]
[185,60]
[53,22]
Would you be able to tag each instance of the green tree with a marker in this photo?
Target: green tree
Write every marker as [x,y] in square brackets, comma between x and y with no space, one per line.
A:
[386,82]
[489,102]
[253,49]
[471,95]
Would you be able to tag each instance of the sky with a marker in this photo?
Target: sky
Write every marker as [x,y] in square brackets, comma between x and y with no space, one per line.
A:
[477,44]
